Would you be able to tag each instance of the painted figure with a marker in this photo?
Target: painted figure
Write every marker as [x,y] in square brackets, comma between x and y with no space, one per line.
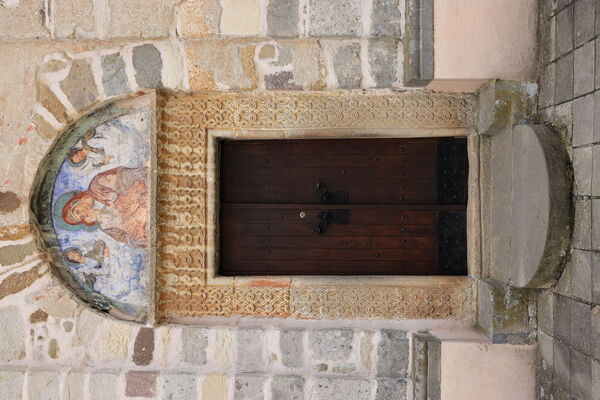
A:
[115,203]
[92,264]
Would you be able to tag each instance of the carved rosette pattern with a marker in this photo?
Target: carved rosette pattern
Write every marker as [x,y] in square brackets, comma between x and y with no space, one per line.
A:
[182,281]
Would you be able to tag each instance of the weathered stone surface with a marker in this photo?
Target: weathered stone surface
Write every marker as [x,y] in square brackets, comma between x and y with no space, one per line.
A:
[13,254]
[564,31]
[562,318]
[143,347]
[18,281]
[331,344]
[595,379]
[11,384]
[597,72]
[581,326]
[23,21]
[240,17]
[131,18]
[79,85]
[251,350]
[281,80]
[334,18]
[346,65]
[391,389]
[103,386]
[562,371]
[12,335]
[282,18]
[582,168]
[596,281]
[386,18]
[193,345]
[291,343]
[199,18]
[114,343]
[595,164]
[140,383]
[179,386]
[548,80]
[48,99]
[74,386]
[393,352]
[584,69]
[287,388]
[38,316]
[73,19]
[545,310]
[563,90]
[595,335]
[215,387]
[383,61]
[86,328]
[583,120]
[43,385]
[147,62]
[581,376]
[340,389]
[581,274]
[9,202]
[585,13]
[114,78]
[546,345]
[249,387]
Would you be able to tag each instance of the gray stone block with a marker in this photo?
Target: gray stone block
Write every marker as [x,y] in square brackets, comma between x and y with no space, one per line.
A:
[595,332]
[594,227]
[386,18]
[340,389]
[179,386]
[393,354]
[563,90]
[11,384]
[281,80]
[585,20]
[12,346]
[562,318]
[595,379]
[193,345]
[546,345]
[114,78]
[80,85]
[282,18]
[250,350]
[584,69]
[562,371]
[596,170]
[103,386]
[560,4]
[291,343]
[596,281]
[331,344]
[334,18]
[564,31]
[582,169]
[388,389]
[582,230]
[547,86]
[147,63]
[287,388]
[581,376]
[581,274]
[581,326]
[383,61]
[597,69]
[545,311]
[583,120]
[248,387]
[346,65]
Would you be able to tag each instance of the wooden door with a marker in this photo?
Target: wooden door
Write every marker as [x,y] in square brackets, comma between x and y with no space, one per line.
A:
[343,207]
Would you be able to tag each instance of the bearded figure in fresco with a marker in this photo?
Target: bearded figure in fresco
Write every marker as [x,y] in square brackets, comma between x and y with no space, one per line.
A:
[115,202]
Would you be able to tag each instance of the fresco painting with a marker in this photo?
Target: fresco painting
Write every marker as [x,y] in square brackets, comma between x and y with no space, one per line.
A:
[101,212]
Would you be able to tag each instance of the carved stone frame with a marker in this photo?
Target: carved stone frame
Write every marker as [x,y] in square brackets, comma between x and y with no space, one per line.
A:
[190,126]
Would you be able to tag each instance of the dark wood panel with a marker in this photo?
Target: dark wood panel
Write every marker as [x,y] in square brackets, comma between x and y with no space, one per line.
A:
[237,162]
[289,254]
[330,242]
[328,173]
[233,228]
[251,267]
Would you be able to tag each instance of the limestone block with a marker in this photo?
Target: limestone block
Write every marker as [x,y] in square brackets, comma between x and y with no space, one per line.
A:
[147,62]
[249,387]
[103,386]
[287,388]
[140,18]
[390,389]
[73,19]
[331,344]
[80,85]
[386,18]
[383,61]
[215,387]
[179,386]
[140,383]
[347,66]
[291,343]
[302,60]
[393,354]
[283,18]
[43,385]
[74,386]
[221,65]
[12,346]
[114,343]
[240,17]
[11,384]
[13,254]
[340,389]
[199,18]
[251,350]
[86,328]
[24,19]
[194,342]
[334,18]
[114,78]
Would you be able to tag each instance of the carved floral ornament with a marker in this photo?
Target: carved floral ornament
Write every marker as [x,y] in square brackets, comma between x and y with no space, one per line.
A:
[124,204]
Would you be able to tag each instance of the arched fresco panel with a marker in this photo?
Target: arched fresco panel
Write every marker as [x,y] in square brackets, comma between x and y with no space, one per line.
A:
[92,205]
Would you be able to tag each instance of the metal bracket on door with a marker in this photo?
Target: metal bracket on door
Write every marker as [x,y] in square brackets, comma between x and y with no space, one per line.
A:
[338,217]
